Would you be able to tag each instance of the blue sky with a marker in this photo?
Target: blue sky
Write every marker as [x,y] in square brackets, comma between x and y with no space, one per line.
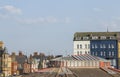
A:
[49,25]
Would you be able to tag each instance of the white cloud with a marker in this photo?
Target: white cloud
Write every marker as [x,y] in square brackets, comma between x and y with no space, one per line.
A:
[51,19]
[8,12]
[11,9]
[3,16]
[44,20]
[31,21]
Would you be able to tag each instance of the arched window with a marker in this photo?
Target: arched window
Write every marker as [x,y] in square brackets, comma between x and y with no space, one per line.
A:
[92,46]
[88,46]
[104,53]
[96,53]
[113,53]
[109,53]
[77,46]
[112,45]
[93,53]
[80,52]
[101,46]
[109,46]
[80,46]
[101,53]
[77,52]
[85,46]
[95,45]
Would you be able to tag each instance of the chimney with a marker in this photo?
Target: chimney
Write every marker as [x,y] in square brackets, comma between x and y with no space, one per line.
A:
[30,56]
[35,53]
[20,53]
[13,53]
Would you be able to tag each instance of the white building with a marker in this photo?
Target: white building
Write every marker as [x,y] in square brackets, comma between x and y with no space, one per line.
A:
[81,44]
[81,47]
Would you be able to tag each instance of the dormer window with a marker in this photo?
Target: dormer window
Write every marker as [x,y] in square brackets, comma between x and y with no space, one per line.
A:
[78,38]
[94,37]
[112,37]
[85,38]
[103,37]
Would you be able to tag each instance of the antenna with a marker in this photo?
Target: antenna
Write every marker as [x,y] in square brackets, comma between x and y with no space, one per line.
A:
[107,29]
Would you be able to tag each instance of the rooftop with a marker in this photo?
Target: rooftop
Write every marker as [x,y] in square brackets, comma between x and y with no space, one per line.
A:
[85,57]
[80,35]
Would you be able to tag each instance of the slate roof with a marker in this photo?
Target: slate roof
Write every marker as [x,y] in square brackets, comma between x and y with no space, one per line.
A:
[21,59]
[85,57]
[63,58]
[90,34]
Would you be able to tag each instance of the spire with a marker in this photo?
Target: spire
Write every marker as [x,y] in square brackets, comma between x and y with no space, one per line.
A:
[107,29]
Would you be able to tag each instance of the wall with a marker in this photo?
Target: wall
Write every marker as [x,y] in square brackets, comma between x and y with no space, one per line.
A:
[14,68]
[83,49]
[118,54]
[105,49]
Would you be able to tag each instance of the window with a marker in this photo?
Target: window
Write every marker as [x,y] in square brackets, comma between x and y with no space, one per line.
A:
[85,38]
[112,37]
[77,52]
[80,46]
[88,46]
[95,45]
[78,38]
[96,54]
[93,53]
[92,46]
[80,52]
[95,37]
[101,46]
[104,46]
[85,46]
[112,53]
[109,53]
[104,53]
[88,52]
[112,45]
[109,46]
[77,46]
[85,52]
[101,53]
[103,37]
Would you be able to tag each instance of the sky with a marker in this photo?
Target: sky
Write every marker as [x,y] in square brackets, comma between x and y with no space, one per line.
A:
[48,26]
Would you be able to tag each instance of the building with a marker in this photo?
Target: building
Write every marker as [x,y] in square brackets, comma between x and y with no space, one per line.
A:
[21,59]
[80,61]
[102,44]
[81,47]
[14,68]
[39,60]
[6,64]
[2,49]
[14,64]
[26,68]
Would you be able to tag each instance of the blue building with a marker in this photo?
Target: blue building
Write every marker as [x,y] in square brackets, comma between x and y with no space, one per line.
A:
[105,49]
